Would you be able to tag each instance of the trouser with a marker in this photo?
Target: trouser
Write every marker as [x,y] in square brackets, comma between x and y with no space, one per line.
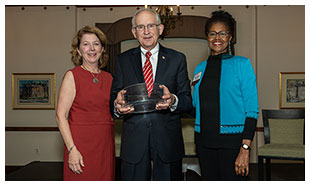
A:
[218,164]
[151,167]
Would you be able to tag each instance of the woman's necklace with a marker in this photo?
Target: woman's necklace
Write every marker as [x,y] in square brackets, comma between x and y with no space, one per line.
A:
[95,80]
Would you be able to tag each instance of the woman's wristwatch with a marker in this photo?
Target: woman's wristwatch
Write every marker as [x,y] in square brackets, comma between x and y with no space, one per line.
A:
[245,146]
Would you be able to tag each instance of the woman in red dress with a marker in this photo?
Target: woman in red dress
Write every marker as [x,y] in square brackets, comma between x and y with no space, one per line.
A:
[83,115]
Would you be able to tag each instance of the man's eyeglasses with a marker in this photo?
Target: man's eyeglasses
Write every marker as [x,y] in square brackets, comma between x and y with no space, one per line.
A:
[151,26]
[222,34]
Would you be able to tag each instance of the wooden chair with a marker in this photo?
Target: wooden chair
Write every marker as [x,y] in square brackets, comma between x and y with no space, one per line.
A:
[284,138]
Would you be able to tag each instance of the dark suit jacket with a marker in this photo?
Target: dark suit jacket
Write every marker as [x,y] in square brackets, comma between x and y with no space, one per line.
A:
[165,126]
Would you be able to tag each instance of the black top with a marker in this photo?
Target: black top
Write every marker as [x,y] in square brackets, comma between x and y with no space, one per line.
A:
[209,96]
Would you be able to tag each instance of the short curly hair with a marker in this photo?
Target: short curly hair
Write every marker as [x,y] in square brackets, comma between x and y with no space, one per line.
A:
[222,17]
[76,58]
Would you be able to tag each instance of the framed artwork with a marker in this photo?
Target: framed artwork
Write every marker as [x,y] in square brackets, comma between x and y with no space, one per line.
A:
[33,91]
[292,90]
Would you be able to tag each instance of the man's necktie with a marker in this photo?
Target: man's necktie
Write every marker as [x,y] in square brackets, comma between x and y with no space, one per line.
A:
[148,73]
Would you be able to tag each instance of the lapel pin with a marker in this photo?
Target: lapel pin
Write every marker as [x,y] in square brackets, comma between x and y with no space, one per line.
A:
[163,57]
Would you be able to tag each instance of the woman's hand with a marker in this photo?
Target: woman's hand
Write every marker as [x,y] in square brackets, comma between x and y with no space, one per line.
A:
[242,161]
[76,161]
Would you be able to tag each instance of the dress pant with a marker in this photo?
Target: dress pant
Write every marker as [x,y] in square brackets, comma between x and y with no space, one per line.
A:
[218,164]
[151,167]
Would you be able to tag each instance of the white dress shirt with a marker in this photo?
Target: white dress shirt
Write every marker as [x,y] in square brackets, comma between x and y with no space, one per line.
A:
[154,62]
[153,58]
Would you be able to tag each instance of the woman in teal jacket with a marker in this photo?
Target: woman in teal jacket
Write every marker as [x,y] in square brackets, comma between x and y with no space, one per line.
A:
[226,103]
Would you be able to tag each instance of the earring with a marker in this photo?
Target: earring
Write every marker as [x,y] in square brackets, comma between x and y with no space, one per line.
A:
[229,49]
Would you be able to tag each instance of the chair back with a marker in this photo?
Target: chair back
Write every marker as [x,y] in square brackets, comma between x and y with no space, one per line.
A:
[284,126]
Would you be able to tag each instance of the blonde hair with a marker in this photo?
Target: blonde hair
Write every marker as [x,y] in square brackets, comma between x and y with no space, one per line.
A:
[76,58]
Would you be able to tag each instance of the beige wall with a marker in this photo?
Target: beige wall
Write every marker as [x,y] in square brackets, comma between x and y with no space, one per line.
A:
[278,50]
[38,40]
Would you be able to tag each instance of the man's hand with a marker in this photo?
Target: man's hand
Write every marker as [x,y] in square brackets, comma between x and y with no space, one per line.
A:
[168,98]
[119,104]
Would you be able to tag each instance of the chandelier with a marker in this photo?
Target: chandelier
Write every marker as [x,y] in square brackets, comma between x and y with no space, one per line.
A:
[167,18]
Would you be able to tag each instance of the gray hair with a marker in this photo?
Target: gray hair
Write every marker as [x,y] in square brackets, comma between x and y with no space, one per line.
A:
[145,9]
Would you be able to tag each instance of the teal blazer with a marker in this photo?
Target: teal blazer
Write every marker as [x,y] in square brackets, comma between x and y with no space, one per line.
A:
[238,94]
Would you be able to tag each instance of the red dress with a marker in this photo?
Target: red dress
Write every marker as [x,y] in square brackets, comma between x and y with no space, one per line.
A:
[92,127]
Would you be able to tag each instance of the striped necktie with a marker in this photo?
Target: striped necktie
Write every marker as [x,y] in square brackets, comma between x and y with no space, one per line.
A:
[148,73]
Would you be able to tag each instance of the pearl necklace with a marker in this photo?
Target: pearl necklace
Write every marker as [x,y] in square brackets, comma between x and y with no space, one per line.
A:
[95,80]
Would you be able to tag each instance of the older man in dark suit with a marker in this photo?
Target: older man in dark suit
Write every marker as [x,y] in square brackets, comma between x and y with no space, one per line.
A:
[155,136]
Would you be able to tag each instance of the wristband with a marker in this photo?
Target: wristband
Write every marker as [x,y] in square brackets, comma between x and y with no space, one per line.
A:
[70,149]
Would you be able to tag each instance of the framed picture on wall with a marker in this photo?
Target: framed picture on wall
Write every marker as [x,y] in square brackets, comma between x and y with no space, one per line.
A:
[292,90]
[33,91]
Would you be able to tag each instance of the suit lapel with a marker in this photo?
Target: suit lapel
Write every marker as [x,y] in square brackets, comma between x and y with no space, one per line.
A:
[161,64]
[137,64]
